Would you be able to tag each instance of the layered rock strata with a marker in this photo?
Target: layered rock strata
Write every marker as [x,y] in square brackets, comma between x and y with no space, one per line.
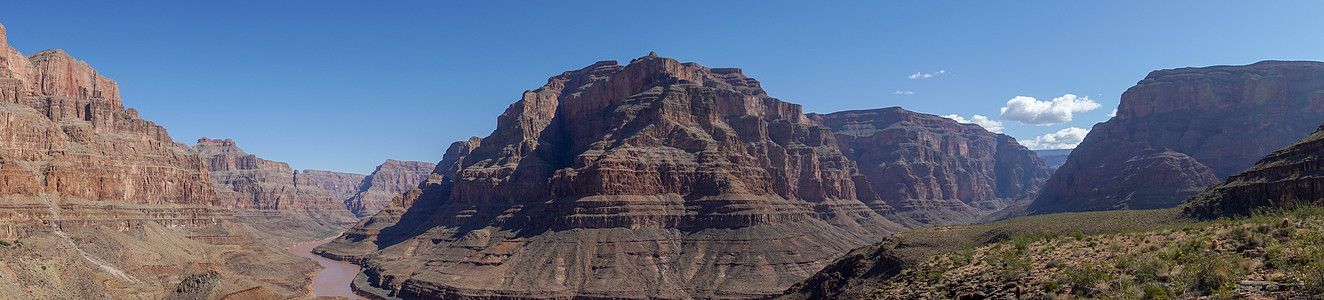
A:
[1286,178]
[658,179]
[391,178]
[270,194]
[97,203]
[933,170]
[341,185]
[1180,130]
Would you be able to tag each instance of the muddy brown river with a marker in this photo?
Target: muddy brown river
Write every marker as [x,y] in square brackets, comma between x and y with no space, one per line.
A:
[335,277]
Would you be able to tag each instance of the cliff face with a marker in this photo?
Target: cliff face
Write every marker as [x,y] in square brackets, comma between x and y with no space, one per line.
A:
[269,194]
[657,179]
[390,179]
[103,204]
[933,170]
[341,185]
[1284,179]
[1178,131]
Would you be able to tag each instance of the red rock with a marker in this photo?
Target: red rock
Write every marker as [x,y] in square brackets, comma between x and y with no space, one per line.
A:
[107,200]
[390,179]
[1178,131]
[1286,178]
[341,185]
[267,191]
[657,179]
[933,170]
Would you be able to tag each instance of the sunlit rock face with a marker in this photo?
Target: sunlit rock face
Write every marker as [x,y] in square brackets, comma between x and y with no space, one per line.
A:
[929,170]
[269,194]
[104,205]
[1180,130]
[657,179]
[391,178]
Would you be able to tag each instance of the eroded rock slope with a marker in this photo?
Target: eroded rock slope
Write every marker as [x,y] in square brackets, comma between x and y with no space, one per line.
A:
[1180,130]
[97,203]
[657,179]
[933,170]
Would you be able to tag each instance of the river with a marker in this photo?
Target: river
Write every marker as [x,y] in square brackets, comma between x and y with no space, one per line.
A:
[335,277]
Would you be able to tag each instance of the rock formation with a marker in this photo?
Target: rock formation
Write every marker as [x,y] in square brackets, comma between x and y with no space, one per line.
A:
[390,179]
[97,203]
[341,185]
[270,194]
[658,179]
[1054,158]
[1284,179]
[933,170]
[1180,130]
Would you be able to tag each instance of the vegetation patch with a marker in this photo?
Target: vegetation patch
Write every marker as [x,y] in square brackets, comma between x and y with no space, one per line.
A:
[1271,253]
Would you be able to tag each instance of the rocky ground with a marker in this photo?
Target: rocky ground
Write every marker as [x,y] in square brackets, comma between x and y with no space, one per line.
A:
[1266,256]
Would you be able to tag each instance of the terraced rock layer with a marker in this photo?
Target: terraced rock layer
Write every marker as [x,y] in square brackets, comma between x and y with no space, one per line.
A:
[270,195]
[933,170]
[1181,130]
[657,179]
[391,178]
[1286,178]
[97,203]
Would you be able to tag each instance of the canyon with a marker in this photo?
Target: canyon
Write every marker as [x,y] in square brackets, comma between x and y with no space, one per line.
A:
[1178,131]
[929,170]
[663,179]
[99,203]
[1284,179]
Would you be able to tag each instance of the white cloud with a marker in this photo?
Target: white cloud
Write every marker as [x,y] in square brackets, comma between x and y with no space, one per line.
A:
[1113,114]
[1028,110]
[1066,138]
[919,75]
[987,123]
[900,92]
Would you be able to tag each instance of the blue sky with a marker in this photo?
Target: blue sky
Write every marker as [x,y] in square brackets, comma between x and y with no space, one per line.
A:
[345,85]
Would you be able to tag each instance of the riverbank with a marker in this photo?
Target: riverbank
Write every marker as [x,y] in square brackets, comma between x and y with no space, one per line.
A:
[335,277]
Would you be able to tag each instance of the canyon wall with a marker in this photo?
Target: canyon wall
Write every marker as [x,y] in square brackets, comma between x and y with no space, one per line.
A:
[1181,130]
[657,179]
[97,203]
[928,170]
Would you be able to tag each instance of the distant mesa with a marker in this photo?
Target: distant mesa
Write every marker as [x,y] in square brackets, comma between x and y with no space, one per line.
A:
[390,179]
[927,170]
[1180,130]
[1053,158]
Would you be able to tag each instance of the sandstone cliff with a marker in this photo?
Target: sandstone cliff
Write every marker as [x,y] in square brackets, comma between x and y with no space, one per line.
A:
[658,179]
[1284,179]
[390,179]
[933,170]
[270,194]
[341,185]
[97,203]
[1180,130]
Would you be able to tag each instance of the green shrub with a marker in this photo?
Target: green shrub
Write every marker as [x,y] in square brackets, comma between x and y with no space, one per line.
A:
[1013,264]
[1204,274]
[1154,291]
[1082,279]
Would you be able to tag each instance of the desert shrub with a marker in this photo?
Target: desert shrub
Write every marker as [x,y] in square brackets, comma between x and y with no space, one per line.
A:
[1050,286]
[1155,291]
[1014,265]
[1022,242]
[1312,273]
[1207,273]
[1082,279]
[4,243]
